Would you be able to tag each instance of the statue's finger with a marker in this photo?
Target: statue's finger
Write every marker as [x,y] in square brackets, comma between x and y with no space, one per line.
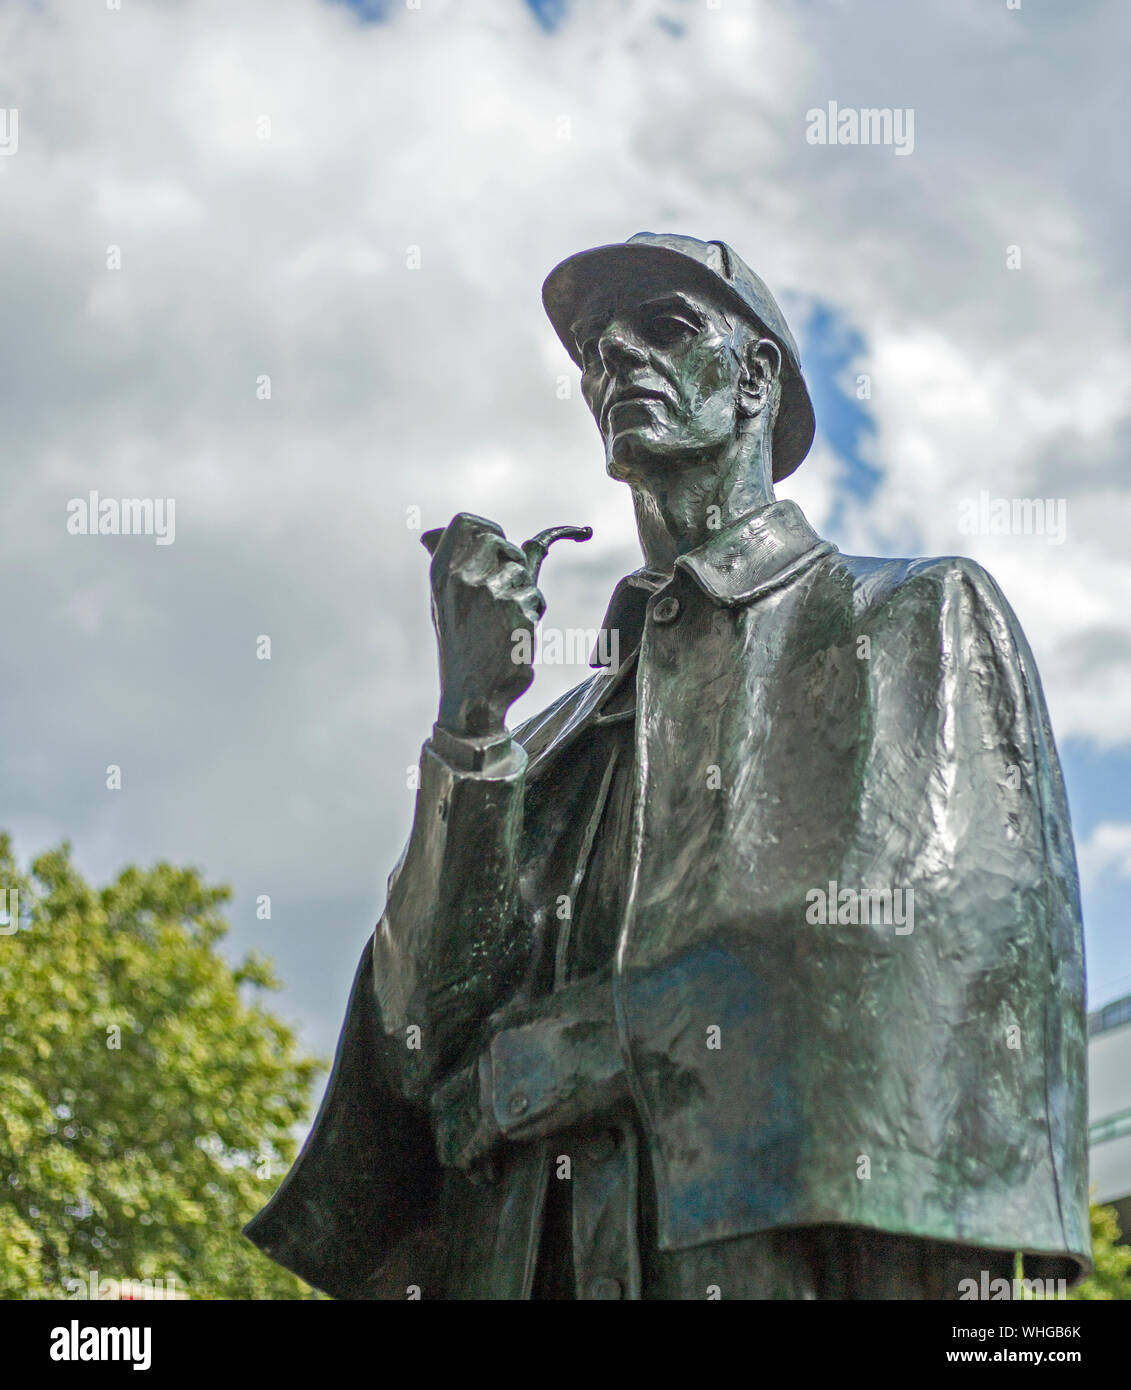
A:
[465,527]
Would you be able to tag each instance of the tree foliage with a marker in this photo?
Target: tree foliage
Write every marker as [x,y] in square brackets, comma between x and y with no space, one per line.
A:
[1111,1277]
[147,1098]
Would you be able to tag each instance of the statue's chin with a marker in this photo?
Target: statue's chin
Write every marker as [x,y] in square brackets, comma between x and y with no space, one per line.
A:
[634,453]
[632,459]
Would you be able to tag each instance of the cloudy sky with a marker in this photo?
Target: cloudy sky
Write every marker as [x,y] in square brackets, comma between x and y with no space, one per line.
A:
[359,203]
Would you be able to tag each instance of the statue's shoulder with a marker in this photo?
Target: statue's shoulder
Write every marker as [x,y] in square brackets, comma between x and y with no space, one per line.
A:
[941,582]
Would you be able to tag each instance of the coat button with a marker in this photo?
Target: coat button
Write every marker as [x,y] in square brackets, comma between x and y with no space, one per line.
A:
[605,1288]
[667,610]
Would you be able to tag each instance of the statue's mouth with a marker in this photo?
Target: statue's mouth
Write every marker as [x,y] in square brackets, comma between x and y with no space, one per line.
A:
[632,393]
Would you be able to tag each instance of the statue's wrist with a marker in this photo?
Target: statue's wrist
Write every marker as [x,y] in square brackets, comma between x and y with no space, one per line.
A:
[471,752]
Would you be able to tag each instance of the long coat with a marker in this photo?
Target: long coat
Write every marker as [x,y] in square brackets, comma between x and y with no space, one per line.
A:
[848,977]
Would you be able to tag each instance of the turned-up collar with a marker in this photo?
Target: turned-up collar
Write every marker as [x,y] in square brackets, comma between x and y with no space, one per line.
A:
[756,554]
[759,552]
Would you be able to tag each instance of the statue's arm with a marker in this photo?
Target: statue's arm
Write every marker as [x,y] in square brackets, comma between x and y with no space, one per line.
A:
[549,1064]
[448,945]
[450,942]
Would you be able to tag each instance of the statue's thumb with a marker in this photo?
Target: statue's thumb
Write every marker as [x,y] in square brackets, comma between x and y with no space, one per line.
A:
[535,549]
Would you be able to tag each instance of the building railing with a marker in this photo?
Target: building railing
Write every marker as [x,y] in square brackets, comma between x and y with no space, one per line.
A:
[1110,1016]
[1111,1127]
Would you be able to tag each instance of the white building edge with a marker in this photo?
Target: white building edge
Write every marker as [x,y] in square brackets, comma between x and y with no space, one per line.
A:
[1109,1107]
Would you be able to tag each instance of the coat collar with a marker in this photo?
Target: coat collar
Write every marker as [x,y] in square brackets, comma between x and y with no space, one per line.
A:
[757,553]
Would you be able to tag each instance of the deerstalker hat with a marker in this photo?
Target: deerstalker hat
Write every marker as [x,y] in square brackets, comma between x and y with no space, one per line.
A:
[710,266]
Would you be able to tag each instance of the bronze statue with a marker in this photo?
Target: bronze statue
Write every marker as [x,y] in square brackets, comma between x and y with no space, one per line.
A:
[751,968]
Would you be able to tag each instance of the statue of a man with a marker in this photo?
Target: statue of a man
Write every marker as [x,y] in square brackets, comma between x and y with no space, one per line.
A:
[751,968]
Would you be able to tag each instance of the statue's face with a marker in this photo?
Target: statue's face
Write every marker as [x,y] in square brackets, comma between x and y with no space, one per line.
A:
[660,373]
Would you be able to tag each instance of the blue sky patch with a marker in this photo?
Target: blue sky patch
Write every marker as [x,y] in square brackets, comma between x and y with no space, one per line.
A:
[548,13]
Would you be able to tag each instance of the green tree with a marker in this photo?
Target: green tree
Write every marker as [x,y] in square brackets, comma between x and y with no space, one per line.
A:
[1111,1277]
[147,1098]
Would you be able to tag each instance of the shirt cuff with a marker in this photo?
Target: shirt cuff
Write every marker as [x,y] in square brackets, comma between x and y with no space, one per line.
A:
[467,753]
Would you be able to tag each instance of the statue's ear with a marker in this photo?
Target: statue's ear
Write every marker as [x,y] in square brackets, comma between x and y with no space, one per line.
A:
[761,367]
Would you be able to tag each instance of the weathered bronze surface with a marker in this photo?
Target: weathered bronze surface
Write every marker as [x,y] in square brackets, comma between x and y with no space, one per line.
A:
[752,967]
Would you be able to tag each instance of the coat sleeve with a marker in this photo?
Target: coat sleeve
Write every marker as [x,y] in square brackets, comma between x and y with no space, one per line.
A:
[357,1215]
[448,944]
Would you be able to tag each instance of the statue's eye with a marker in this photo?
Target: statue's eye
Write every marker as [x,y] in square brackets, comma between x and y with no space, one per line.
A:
[587,349]
[671,328]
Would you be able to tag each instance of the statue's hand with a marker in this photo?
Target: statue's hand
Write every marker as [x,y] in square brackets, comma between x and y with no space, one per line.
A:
[465,1131]
[485,607]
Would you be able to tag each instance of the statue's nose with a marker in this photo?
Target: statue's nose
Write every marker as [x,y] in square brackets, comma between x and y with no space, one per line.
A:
[619,347]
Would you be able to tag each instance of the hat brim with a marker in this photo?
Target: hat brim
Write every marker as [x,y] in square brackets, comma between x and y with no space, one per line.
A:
[623,264]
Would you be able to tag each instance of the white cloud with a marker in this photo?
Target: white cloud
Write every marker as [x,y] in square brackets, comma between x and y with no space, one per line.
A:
[464,130]
[1107,850]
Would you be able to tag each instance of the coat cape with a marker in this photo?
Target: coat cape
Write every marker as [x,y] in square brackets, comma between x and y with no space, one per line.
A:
[872,725]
